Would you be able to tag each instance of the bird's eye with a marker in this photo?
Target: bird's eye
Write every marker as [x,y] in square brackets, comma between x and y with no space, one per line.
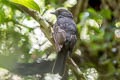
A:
[59,12]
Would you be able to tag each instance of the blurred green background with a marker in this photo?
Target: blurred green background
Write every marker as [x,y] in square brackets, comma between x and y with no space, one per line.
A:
[26,45]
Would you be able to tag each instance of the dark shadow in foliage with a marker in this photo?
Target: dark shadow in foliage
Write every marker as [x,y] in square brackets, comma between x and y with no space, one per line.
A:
[25,69]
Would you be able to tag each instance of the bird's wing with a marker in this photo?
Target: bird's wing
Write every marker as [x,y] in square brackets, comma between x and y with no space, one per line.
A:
[59,37]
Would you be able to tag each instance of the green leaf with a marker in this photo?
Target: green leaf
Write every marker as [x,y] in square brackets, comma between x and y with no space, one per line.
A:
[106,13]
[27,3]
[91,10]
[94,14]
[2,16]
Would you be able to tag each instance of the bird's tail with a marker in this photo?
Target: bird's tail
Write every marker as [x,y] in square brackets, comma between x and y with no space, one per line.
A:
[59,65]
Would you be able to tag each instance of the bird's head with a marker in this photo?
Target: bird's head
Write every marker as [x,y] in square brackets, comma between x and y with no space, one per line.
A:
[62,12]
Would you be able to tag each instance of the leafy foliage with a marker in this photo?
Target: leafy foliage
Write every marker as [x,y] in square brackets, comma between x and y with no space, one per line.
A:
[28,3]
[97,50]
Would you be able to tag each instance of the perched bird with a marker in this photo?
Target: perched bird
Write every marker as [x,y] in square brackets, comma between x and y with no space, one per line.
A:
[64,36]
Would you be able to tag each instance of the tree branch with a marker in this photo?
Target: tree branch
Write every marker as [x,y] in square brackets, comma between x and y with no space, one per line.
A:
[45,26]
[76,69]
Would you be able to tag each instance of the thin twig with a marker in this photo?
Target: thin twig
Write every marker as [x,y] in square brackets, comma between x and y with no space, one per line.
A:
[76,69]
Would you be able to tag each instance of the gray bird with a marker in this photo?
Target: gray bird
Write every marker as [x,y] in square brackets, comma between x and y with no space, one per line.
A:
[65,38]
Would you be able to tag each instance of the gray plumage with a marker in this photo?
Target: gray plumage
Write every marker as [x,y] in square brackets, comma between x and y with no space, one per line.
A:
[65,38]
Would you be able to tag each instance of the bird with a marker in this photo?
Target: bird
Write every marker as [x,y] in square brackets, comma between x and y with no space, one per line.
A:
[64,35]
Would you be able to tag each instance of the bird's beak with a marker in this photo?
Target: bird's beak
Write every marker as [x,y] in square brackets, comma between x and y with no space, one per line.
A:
[53,13]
